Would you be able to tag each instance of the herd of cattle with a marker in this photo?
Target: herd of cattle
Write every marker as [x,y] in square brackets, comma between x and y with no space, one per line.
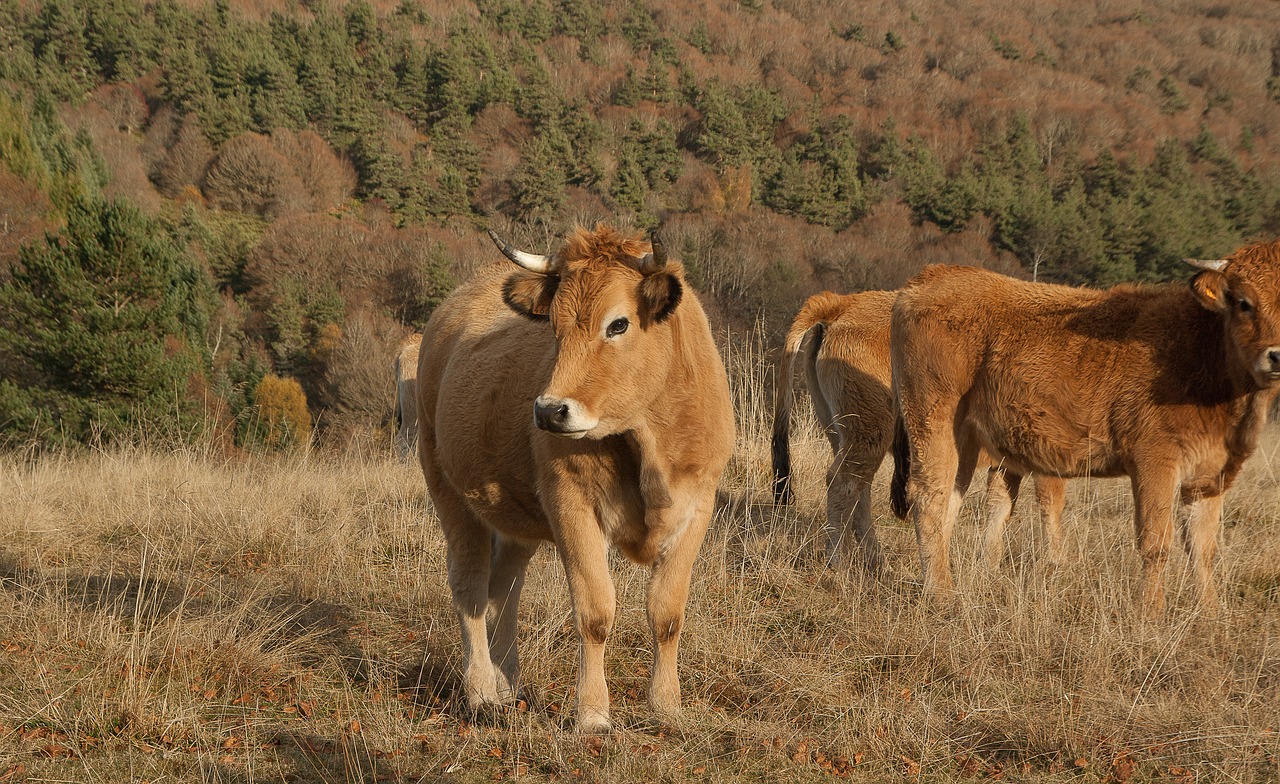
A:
[579,398]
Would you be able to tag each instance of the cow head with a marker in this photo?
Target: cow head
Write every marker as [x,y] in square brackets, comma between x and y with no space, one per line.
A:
[1245,289]
[609,298]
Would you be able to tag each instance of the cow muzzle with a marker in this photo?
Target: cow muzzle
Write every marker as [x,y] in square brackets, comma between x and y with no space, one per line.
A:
[561,415]
[1267,368]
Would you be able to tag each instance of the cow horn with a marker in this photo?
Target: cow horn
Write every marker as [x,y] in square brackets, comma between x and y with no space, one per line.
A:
[655,259]
[1217,265]
[530,261]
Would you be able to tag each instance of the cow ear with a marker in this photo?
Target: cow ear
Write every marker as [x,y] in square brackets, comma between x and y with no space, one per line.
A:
[530,294]
[1210,288]
[660,293]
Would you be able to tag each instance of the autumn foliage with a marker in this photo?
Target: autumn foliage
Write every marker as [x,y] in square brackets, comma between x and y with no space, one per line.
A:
[280,416]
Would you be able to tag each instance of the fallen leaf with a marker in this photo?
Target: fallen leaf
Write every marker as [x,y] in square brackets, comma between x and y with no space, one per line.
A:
[354,727]
[1182,775]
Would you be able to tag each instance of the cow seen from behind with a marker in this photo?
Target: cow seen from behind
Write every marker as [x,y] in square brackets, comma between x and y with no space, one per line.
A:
[1166,384]
[840,345]
[579,399]
[405,369]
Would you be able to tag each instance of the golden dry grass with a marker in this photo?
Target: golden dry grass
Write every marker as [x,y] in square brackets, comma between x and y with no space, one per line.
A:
[180,616]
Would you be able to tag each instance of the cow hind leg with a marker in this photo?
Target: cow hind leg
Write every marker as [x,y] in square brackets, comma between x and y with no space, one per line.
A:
[931,492]
[508,563]
[1201,523]
[1051,496]
[849,512]
[1002,496]
[468,554]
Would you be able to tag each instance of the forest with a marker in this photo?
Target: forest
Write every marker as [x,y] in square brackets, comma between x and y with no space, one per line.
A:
[219,219]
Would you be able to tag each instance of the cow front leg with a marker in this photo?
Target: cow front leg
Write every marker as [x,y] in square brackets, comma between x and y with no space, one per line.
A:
[583,552]
[1201,525]
[1153,494]
[506,580]
[667,596]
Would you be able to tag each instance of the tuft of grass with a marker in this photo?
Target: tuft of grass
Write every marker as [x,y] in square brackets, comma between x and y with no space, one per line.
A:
[189,616]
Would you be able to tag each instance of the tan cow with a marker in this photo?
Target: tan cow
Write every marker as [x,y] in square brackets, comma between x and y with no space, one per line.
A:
[1168,385]
[406,370]
[841,344]
[579,400]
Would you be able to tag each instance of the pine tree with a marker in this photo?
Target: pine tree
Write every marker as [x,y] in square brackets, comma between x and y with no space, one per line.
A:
[120,35]
[537,187]
[62,52]
[17,58]
[102,325]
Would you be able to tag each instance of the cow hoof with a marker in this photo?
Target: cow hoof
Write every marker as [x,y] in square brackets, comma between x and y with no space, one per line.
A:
[594,724]
[485,711]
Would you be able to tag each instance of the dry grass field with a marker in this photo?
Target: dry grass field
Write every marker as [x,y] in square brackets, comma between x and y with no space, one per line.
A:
[183,616]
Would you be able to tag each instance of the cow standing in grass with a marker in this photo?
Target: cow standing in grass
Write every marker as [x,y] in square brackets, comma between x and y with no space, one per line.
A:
[841,345]
[1168,385]
[406,414]
[579,400]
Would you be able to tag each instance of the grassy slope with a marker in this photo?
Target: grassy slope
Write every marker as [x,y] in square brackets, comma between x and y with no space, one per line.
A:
[188,617]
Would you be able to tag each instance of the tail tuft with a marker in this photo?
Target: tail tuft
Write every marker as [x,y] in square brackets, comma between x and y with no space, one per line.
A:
[901,470]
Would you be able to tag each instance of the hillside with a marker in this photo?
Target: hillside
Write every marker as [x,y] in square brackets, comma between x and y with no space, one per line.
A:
[321,171]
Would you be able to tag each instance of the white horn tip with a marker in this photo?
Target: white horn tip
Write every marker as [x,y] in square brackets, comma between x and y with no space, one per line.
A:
[1217,265]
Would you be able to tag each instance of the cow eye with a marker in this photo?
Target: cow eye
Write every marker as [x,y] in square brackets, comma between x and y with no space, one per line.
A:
[616,327]
[1244,306]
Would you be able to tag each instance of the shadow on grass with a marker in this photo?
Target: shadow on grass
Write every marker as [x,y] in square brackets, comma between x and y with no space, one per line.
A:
[314,629]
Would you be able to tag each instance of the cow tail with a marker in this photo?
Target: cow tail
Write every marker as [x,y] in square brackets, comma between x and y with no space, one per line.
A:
[805,336]
[783,398]
[901,469]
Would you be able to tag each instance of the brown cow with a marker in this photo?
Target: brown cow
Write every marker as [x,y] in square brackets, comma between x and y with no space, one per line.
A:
[406,370]
[842,344]
[580,400]
[1166,384]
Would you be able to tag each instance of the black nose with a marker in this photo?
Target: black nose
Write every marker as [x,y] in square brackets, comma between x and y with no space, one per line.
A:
[550,415]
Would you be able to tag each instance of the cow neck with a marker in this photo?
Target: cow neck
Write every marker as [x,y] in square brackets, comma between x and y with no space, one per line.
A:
[1223,384]
[1219,379]
[655,483]
[655,479]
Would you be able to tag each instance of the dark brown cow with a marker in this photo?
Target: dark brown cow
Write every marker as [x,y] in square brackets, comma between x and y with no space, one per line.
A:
[1168,385]
[841,345]
[579,400]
